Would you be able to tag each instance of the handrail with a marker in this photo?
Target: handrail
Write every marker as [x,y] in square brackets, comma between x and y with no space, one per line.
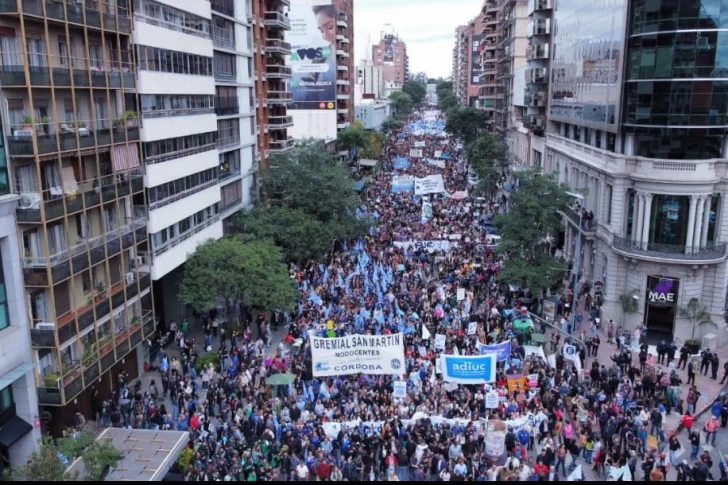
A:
[670,251]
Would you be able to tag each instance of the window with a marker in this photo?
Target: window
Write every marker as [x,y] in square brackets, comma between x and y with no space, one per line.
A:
[224,64]
[6,399]
[170,189]
[161,239]
[169,17]
[162,150]
[154,105]
[4,314]
[163,60]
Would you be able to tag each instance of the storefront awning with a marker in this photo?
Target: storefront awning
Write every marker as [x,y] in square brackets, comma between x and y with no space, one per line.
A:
[365,162]
[12,431]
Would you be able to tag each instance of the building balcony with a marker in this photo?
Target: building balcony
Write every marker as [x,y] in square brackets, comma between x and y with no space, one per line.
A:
[342,82]
[342,38]
[113,19]
[225,7]
[85,195]
[342,96]
[669,253]
[226,208]
[226,77]
[228,137]
[223,39]
[535,52]
[226,105]
[277,20]
[281,145]
[539,5]
[572,216]
[279,122]
[52,137]
[279,97]
[86,253]
[275,71]
[342,51]
[277,46]
[342,20]
[537,99]
[342,67]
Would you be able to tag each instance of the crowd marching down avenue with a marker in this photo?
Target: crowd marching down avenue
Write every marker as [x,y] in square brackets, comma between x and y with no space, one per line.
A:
[409,359]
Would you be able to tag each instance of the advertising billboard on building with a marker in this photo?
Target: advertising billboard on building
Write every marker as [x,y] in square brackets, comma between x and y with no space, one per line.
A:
[313,54]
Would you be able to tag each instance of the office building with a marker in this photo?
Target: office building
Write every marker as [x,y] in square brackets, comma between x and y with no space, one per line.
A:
[460,64]
[371,114]
[370,78]
[271,76]
[637,118]
[467,62]
[391,55]
[490,91]
[538,62]
[69,85]
[19,416]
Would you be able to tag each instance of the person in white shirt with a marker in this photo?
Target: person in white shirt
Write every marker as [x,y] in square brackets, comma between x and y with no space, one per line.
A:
[302,471]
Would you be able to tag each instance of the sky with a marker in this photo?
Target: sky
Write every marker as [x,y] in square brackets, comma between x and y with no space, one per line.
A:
[427,26]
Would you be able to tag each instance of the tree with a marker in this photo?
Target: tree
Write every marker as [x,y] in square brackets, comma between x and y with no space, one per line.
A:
[44,465]
[375,141]
[251,272]
[526,231]
[447,102]
[465,123]
[391,125]
[402,103]
[696,314]
[488,157]
[353,137]
[629,304]
[416,90]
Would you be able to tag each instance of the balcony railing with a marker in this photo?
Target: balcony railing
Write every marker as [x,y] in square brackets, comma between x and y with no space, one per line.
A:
[274,71]
[279,97]
[226,105]
[228,137]
[277,46]
[97,13]
[54,136]
[225,76]
[709,252]
[225,39]
[587,225]
[280,122]
[277,20]
[280,145]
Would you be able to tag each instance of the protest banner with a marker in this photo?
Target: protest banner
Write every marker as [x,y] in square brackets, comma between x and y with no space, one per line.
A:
[354,354]
[472,328]
[402,183]
[432,184]
[400,390]
[532,380]
[426,211]
[471,369]
[438,153]
[461,294]
[440,341]
[401,163]
[435,163]
[501,350]
[429,246]
[459,195]
[416,153]
[419,144]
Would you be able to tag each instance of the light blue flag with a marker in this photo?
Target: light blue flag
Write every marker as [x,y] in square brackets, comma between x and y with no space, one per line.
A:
[366,286]
[324,391]
[300,308]
[326,275]
[327,312]
[305,285]
[305,392]
[400,325]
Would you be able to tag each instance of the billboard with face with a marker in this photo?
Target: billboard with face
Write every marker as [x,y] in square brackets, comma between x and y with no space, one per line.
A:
[313,54]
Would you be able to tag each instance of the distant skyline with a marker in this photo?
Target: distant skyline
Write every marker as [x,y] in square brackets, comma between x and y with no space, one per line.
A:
[426,26]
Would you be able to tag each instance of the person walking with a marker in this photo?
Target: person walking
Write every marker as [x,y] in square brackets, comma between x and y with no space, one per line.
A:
[714,363]
[691,373]
[725,372]
[711,429]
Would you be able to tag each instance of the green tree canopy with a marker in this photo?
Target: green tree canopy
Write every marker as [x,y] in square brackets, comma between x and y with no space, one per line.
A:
[391,125]
[402,103]
[447,101]
[416,90]
[525,232]
[465,123]
[489,158]
[252,272]
[375,141]
[353,137]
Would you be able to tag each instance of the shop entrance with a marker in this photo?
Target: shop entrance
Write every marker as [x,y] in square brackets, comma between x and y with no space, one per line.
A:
[660,307]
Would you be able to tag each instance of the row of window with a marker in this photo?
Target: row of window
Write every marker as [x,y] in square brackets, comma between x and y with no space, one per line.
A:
[172,17]
[161,239]
[163,149]
[164,60]
[170,189]
[167,102]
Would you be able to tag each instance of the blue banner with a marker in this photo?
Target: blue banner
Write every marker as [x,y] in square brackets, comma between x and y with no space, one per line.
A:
[401,163]
[469,369]
[502,351]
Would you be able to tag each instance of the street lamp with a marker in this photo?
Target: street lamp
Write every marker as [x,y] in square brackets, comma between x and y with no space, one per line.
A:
[577,264]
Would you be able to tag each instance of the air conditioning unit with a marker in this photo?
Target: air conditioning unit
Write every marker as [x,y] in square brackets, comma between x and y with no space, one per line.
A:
[29,200]
[45,326]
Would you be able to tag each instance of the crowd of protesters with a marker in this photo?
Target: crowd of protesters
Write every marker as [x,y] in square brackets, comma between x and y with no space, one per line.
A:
[608,416]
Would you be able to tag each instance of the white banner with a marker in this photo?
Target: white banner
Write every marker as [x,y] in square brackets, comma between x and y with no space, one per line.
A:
[429,246]
[354,354]
[438,153]
[419,144]
[436,163]
[402,183]
[472,328]
[491,400]
[426,211]
[440,341]
[461,294]
[400,390]
[432,184]
[459,195]
[415,153]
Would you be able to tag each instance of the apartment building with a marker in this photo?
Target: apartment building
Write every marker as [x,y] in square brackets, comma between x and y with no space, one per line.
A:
[19,416]
[637,119]
[271,76]
[490,90]
[370,78]
[461,63]
[391,55]
[538,62]
[232,43]
[177,72]
[69,84]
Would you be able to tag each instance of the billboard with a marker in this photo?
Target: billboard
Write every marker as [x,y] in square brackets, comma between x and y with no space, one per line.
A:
[313,54]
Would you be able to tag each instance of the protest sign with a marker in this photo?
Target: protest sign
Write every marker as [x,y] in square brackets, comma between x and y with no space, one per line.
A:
[461,294]
[501,350]
[470,369]
[432,184]
[400,390]
[472,328]
[429,246]
[401,163]
[435,163]
[491,400]
[354,354]
[419,144]
[416,153]
[532,380]
[402,183]
[517,384]
[440,341]
[459,195]
[426,211]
